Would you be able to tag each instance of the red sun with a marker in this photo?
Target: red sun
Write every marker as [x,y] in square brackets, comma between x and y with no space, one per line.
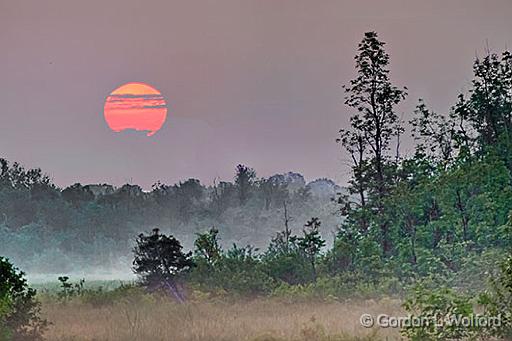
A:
[136,106]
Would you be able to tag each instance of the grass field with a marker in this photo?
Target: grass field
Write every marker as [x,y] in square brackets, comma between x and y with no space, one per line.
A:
[142,318]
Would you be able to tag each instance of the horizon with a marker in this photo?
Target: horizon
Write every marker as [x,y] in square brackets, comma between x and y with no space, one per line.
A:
[255,83]
[206,185]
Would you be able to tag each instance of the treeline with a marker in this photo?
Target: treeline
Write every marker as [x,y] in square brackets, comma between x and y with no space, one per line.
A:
[44,228]
[447,204]
[441,213]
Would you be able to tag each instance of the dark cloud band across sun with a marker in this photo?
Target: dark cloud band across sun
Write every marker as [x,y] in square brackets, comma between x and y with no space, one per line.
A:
[135,106]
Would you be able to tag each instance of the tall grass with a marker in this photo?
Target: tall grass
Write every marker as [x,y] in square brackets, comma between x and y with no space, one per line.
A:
[144,317]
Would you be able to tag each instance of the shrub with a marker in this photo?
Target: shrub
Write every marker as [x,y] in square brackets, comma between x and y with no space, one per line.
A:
[437,309]
[347,285]
[238,272]
[498,300]
[19,311]
[68,290]
[100,297]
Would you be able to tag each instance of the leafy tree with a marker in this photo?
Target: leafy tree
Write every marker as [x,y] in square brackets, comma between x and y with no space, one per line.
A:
[77,195]
[373,126]
[311,243]
[19,311]
[284,260]
[188,195]
[244,180]
[180,201]
[159,261]
[355,144]
[489,105]
[207,246]
[274,191]
[223,196]
[435,136]
[340,258]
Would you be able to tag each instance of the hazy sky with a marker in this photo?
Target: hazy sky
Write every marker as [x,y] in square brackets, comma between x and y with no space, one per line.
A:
[255,82]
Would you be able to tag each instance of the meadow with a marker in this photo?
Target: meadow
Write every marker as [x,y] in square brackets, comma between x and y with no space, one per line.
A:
[142,317]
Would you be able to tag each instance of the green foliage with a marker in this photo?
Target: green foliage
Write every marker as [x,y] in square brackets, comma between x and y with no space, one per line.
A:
[284,260]
[340,287]
[95,293]
[5,308]
[311,243]
[244,272]
[497,301]
[290,267]
[238,271]
[19,311]
[100,297]
[207,246]
[374,126]
[437,311]
[292,259]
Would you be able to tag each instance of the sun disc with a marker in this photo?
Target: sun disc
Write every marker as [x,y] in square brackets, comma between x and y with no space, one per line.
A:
[135,106]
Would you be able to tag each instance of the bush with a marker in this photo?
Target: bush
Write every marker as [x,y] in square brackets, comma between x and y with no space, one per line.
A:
[71,292]
[437,308]
[68,290]
[125,293]
[19,311]
[238,272]
[498,300]
[347,285]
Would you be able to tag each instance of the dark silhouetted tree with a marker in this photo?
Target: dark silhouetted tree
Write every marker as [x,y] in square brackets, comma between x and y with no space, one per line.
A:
[311,243]
[374,125]
[77,195]
[244,180]
[159,261]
